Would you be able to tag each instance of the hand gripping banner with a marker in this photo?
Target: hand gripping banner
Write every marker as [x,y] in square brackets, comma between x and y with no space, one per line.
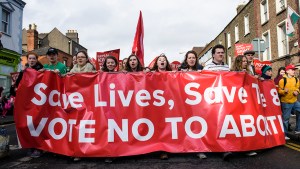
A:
[121,114]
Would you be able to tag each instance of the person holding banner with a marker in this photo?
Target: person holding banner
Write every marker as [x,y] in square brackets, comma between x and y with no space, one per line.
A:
[32,62]
[266,72]
[240,64]
[217,63]
[190,62]
[110,63]
[288,91]
[83,63]
[133,64]
[161,64]
[54,65]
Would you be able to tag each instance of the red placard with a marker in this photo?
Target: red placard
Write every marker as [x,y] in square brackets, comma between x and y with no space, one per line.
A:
[240,48]
[175,65]
[121,114]
[100,57]
[259,64]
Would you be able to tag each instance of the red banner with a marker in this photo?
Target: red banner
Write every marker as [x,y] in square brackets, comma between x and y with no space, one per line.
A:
[259,64]
[100,57]
[121,114]
[240,48]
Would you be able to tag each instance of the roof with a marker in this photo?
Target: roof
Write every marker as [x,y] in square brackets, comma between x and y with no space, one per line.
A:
[42,35]
[39,51]
[198,50]
[43,50]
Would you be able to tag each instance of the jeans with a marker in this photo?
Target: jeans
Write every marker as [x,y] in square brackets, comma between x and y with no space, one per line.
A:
[286,113]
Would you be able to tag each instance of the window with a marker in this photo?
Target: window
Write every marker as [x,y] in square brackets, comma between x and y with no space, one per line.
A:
[229,61]
[246,24]
[267,52]
[236,33]
[228,40]
[280,5]
[282,39]
[264,15]
[5,21]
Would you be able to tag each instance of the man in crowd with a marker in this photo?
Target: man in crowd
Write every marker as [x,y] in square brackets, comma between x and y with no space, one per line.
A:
[218,53]
[288,91]
[250,56]
[217,64]
[54,64]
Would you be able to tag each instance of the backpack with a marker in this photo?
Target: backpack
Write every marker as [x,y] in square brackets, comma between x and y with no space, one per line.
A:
[284,81]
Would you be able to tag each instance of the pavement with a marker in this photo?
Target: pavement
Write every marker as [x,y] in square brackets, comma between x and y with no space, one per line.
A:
[291,134]
[7,120]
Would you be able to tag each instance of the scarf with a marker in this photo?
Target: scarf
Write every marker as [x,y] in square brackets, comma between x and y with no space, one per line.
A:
[86,68]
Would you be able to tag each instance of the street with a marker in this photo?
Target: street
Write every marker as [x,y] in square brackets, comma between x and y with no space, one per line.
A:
[286,156]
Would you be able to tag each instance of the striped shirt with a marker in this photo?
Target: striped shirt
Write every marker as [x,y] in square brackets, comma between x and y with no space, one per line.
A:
[216,67]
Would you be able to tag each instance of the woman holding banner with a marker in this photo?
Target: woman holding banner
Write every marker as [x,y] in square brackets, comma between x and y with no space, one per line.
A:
[240,64]
[32,63]
[83,63]
[190,62]
[110,64]
[161,64]
[133,64]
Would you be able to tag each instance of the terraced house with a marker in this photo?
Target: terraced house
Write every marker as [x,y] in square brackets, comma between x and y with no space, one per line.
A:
[264,20]
[11,39]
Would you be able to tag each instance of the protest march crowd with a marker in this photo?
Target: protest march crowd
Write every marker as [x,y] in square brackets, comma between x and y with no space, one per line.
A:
[286,81]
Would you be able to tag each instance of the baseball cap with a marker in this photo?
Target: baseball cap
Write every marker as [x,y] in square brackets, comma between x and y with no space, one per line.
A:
[249,52]
[290,67]
[52,51]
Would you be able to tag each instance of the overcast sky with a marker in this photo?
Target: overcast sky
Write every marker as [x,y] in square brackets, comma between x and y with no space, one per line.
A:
[171,26]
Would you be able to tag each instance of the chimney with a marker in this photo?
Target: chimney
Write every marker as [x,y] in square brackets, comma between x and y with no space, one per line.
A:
[32,38]
[72,34]
[239,8]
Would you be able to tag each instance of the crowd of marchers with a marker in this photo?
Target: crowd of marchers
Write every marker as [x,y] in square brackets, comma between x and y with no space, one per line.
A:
[286,81]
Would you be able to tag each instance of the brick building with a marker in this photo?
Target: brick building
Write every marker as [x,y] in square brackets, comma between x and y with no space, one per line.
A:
[67,45]
[264,19]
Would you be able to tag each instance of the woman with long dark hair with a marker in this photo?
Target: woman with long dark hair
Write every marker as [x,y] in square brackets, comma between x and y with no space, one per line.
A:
[161,64]
[133,64]
[191,62]
[280,74]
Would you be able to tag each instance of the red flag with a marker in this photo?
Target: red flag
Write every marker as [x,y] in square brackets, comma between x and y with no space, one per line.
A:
[138,45]
[152,63]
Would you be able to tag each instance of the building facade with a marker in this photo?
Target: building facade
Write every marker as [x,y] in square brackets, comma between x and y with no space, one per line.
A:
[67,45]
[265,20]
[11,39]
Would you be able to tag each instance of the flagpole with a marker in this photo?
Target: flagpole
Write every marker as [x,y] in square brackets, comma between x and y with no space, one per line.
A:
[298,9]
